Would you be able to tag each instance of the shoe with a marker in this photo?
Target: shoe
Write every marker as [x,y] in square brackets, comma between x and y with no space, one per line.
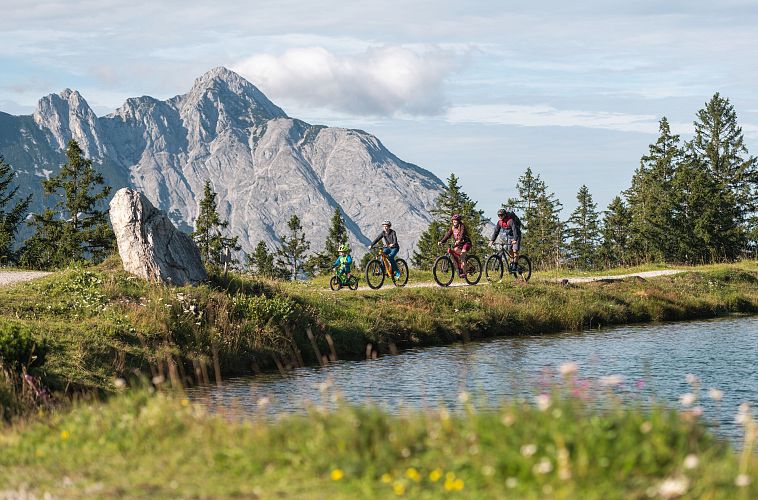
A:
[461,274]
[397,275]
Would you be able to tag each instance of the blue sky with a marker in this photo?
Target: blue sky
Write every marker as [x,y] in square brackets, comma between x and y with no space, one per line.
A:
[482,89]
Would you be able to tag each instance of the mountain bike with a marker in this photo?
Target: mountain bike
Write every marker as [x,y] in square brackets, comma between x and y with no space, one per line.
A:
[348,280]
[446,266]
[499,261]
[380,267]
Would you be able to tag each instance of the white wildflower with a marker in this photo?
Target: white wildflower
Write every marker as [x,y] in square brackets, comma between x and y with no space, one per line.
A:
[673,487]
[742,480]
[569,368]
[715,394]
[528,450]
[544,466]
[691,379]
[511,482]
[691,461]
[611,380]
[687,399]
[542,401]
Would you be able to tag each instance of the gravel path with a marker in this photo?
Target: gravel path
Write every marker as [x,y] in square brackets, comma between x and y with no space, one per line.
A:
[11,277]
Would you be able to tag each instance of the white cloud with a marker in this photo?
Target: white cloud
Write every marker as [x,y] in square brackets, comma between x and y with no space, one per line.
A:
[385,81]
[548,116]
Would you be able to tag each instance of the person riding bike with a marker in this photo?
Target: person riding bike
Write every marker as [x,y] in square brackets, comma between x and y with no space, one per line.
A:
[391,247]
[510,222]
[462,241]
[343,263]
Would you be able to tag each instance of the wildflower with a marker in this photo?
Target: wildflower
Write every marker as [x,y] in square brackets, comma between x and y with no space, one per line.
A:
[543,402]
[65,435]
[528,450]
[412,473]
[263,402]
[544,466]
[715,394]
[488,470]
[639,384]
[691,461]
[435,475]
[569,368]
[386,478]
[463,397]
[691,379]
[398,488]
[687,399]
[337,474]
[158,380]
[507,420]
[742,480]
[646,427]
[743,416]
[119,383]
[511,482]
[611,380]
[185,402]
[673,487]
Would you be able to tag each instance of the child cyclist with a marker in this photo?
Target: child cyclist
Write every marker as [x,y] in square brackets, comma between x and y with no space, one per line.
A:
[343,263]
[462,241]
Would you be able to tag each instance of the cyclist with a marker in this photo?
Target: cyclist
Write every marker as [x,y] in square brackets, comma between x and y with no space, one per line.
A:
[343,263]
[391,247]
[462,241]
[509,221]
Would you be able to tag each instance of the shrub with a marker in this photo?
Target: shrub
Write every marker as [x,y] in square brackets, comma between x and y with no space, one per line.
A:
[18,346]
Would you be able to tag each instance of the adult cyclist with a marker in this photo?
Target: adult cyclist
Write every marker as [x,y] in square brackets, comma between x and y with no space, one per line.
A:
[391,246]
[510,222]
[462,241]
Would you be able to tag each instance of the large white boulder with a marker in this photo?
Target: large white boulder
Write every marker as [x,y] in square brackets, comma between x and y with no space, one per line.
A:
[149,244]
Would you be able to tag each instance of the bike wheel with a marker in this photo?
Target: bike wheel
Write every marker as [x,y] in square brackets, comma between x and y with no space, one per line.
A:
[443,271]
[335,284]
[473,268]
[402,266]
[523,268]
[493,270]
[353,283]
[374,274]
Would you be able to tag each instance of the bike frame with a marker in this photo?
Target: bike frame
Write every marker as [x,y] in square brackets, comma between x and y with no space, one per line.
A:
[386,264]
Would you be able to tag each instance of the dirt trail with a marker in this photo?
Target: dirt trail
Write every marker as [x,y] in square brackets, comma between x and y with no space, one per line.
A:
[11,277]
[459,282]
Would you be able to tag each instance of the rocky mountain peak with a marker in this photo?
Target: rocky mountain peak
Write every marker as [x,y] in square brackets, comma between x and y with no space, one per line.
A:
[67,115]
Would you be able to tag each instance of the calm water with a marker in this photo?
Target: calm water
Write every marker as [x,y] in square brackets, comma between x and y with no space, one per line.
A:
[652,359]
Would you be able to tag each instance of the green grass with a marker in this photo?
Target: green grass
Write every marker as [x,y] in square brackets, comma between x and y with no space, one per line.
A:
[154,445]
[100,324]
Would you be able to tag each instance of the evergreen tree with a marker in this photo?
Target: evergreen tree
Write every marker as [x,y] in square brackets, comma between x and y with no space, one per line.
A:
[584,230]
[615,234]
[651,199]
[542,232]
[208,226]
[451,201]
[718,147]
[11,216]
[290,255]
[76,228]
[262,261]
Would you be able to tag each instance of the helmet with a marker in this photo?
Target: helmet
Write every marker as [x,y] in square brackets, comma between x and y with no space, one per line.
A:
[456,217]
[344,248]
[501,212]
[386,223]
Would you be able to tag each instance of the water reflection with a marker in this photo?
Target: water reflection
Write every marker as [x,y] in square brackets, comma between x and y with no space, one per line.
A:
[653,360]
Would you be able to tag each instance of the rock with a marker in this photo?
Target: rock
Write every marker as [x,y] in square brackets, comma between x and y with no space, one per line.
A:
[149,244]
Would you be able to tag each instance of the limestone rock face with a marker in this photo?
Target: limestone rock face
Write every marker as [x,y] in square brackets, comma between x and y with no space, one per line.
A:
[149,244]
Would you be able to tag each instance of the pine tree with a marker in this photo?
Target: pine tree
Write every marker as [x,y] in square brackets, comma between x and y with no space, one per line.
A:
[451,201]
[719,148]
[76,228]
[261,260]
[208,226]
[11,216]
[615,234]
[290,255]
[542,232]
[651,199]
[584,230]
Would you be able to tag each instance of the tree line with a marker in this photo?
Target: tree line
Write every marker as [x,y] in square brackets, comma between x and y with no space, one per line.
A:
[689,202]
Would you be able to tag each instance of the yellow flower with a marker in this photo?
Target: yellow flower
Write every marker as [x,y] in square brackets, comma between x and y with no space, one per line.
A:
[185,402]
[386,478]
[458,485]
[413,474]
[39,453]
[398,488]
[64,435]
[435,475]
[337,474]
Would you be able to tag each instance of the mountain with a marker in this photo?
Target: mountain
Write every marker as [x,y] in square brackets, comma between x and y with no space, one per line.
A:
[264,165]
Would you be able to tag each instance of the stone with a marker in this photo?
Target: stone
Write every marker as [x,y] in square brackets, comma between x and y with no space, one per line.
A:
[150,246]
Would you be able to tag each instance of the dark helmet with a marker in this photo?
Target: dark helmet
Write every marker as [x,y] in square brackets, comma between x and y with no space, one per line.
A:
[387,223]
[502,212]
[457,217]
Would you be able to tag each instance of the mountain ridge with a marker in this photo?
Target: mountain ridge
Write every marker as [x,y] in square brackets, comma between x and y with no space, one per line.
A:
[264,165]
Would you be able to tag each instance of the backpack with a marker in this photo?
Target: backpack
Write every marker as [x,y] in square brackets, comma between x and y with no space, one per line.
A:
[516,220]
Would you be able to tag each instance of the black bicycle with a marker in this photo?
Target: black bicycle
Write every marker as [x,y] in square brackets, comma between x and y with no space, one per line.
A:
[499,261]
[446,266]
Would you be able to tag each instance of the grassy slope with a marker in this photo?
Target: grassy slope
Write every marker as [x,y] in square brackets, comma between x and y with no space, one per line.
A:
[141,445]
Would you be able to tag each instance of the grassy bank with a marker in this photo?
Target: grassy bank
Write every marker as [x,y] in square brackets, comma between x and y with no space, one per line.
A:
[79,330]
[141,444]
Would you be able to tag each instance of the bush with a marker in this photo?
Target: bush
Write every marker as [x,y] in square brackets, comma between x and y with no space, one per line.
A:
[18,346]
